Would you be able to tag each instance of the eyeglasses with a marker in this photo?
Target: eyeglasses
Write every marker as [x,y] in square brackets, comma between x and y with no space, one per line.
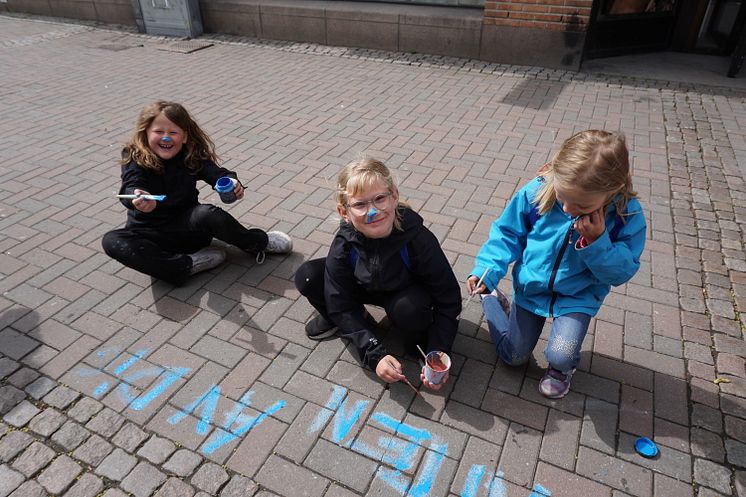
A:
[360,208]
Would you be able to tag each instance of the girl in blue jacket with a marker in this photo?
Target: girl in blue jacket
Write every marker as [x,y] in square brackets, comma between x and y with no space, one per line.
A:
[572,233]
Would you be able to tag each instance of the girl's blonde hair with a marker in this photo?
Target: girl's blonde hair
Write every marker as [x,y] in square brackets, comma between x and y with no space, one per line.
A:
[360,175]
[199,146]
[593,161]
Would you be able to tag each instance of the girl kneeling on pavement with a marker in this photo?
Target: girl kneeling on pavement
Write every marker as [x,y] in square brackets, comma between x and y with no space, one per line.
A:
[170,238]
[383,255]
[572,232]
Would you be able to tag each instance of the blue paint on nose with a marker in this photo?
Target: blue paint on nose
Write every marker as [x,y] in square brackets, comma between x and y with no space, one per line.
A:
[166,139]
[371,214]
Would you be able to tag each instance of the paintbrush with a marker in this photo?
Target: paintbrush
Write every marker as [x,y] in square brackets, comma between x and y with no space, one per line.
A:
[405,380]
[479,283]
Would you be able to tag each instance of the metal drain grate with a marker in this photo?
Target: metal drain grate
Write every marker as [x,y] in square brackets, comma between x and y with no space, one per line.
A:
[185,46]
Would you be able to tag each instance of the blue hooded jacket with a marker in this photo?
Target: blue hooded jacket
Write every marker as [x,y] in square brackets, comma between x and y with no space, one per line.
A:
[551,275]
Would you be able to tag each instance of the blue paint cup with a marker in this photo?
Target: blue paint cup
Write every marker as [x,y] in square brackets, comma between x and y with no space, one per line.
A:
[225,186]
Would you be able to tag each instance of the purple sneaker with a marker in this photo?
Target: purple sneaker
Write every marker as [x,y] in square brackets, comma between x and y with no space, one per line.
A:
[555,384]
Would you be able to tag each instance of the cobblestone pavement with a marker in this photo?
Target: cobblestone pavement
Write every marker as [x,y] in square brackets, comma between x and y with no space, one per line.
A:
[113,384]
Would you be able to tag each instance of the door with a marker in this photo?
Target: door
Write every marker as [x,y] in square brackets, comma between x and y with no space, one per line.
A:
[621,27]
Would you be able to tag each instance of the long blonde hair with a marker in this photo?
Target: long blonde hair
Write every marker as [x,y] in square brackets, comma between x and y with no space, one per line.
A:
[361,174]
[593,161]
[198,147]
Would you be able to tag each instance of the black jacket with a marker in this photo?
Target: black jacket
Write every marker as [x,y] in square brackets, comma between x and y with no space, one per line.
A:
[381,269]
[177,182]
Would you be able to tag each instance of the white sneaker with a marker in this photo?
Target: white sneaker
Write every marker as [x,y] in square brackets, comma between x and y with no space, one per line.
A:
[206,258]
[502,299]
[278,243]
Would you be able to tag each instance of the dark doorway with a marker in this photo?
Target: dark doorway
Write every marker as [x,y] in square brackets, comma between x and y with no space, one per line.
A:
[621,27]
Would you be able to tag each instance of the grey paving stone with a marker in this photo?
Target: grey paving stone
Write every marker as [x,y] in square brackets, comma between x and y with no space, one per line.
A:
[7,366]
[209,477]
[9,397]
[93,451]
[143,480]
[61,397]
[87,485]
[116,465]
[129,437]
[40,387]
[174,487]
[35,457]
[736,452]
[70,435]
[106,423]
[59,475]
[13,443]
[712,475]
[284,478]
[741,483]
[47,422]
[29,488]
[183,462]
[114,492]
[23,377]
[342,465]
[21,414]
[707,445]
[239,486]
[9,480]
[157,449]
[85,409]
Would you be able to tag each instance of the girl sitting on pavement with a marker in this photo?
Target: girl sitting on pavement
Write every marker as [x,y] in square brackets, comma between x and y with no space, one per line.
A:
[382,254]
[572,232]
[170,239]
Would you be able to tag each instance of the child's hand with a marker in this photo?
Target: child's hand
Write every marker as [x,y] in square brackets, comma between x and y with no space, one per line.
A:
[389,369]
[238,190]
[471,284]
[591,226]
[141,204]
[433,386]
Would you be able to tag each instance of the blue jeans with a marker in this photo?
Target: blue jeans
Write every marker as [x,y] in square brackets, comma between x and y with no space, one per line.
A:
[516,336]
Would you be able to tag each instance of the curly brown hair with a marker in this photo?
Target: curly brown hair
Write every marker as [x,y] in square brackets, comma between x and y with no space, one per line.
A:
[199,146]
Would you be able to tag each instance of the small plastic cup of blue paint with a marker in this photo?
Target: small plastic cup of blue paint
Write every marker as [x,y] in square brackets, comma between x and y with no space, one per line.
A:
[225,187]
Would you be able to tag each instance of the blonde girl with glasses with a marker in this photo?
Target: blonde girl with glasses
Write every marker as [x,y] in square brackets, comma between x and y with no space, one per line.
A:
[383,255]
[573,232]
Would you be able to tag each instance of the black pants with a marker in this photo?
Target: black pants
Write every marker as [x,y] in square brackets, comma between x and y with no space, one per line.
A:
[410,310]
[162,252]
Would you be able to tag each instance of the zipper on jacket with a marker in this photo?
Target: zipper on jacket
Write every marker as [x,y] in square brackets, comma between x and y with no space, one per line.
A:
[557,262]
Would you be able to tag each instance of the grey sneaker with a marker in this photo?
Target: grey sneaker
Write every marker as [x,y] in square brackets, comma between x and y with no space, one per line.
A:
[278,243]
[206,258]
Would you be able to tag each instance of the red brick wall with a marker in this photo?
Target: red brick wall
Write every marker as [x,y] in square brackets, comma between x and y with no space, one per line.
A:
[556,15]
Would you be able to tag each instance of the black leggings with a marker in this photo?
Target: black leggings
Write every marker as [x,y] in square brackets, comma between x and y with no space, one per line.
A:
[162,252]
[410,310]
